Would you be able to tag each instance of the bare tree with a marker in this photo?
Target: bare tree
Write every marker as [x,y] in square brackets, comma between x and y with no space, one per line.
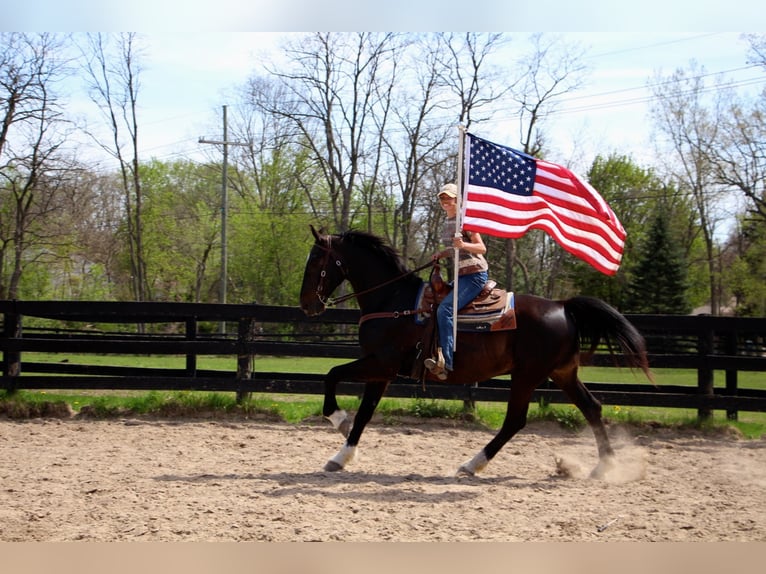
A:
[417,141]
[32,166]
[740,152]
[332,89]
[112,65]
[468,72]
[466,85]
[273,142]
[757,49]
[691,126]
[548,71]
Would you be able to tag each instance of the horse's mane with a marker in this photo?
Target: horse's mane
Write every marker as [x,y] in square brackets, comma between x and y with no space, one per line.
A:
[377,245]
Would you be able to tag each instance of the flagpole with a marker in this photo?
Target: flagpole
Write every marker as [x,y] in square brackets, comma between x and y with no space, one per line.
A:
[458,232]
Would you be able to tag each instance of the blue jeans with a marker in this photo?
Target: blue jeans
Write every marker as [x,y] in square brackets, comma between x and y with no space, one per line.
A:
[468,287]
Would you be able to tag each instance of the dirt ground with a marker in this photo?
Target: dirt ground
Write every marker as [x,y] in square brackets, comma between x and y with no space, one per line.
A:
[239,480]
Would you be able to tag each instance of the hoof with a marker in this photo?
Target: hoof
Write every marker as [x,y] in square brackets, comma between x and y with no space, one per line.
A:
[476,464]
[345,427]
[464,471]
[603,468]
[332,466]
[341,421]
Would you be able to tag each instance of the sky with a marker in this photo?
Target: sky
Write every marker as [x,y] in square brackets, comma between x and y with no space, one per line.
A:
[188,77]
[402,15]
[198,53]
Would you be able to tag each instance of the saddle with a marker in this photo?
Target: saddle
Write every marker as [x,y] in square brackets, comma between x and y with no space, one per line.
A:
[491,310]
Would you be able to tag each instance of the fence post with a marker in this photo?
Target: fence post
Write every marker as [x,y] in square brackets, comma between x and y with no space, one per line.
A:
[705,374]
[191,359]
[12,359]
[244,358]
[731,374]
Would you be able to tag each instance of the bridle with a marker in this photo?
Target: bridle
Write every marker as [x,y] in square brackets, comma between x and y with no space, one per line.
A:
[328,252]
[333,301]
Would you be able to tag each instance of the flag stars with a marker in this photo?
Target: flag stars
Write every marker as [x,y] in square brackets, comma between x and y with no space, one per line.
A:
[501,168]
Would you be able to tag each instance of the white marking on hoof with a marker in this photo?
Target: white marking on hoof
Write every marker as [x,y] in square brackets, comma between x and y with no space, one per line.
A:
[341,421]
[476,464]
[340,460]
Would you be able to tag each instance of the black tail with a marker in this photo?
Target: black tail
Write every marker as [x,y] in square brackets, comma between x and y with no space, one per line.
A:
[596,320]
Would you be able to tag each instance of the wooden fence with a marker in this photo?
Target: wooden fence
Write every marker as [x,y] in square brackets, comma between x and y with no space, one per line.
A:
[704,344]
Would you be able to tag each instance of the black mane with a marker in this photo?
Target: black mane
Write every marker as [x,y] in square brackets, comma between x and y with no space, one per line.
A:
[376,245]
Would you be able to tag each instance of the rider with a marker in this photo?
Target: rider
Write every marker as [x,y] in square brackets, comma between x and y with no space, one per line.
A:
[472,272]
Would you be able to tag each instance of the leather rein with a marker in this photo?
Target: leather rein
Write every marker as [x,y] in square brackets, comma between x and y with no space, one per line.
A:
[332,302]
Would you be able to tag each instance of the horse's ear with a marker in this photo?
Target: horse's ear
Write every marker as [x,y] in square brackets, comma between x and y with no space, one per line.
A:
[314,231]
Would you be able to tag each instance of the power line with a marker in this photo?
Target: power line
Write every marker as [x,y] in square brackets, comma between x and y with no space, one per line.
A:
[654,45]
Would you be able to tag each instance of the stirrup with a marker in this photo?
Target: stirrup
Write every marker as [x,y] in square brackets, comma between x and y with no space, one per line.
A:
[436,366]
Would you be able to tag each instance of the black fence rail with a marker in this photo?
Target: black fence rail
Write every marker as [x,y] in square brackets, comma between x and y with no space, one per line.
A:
[703,344]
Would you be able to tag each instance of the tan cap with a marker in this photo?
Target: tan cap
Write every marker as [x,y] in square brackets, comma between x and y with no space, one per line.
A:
[448,189]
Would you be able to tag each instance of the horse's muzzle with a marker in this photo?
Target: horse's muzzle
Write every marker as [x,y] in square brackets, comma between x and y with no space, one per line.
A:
[313,308]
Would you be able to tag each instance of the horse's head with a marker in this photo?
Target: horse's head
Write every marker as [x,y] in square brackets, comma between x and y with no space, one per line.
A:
[322,275]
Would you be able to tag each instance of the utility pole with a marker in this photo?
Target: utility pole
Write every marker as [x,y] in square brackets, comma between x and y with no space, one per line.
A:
[224,205]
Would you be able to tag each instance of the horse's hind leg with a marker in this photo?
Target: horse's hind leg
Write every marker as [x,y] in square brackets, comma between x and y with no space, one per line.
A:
[515,420]
[372,395]
[590,407]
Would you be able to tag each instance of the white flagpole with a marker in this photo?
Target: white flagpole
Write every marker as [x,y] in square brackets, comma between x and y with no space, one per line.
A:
[458,233]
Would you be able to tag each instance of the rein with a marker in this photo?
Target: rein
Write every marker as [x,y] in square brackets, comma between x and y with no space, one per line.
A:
[347,296]
[331,302]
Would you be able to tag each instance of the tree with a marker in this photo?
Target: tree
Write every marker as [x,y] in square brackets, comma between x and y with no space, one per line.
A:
[415,144]
[94,217]
[692,128]
[33,169]
[550,70]
[268,218]
[745,273]
[333,85]
[632,192]
[450,73]
[739,157]
[181,215]
[112,64]
[658,284]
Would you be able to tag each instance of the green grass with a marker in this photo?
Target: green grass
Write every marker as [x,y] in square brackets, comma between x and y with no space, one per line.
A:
[682,377]
[320,365]
[263,364]
[297,408]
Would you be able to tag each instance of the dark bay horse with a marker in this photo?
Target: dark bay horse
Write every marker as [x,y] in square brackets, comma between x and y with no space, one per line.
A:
[546,343]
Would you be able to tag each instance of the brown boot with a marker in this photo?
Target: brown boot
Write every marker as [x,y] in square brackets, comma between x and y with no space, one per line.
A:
[436,366]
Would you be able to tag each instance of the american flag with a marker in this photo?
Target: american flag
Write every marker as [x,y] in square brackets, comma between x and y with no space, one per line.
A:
[508,192]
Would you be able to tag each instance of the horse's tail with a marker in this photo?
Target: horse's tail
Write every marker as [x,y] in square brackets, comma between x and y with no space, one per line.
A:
[596,320]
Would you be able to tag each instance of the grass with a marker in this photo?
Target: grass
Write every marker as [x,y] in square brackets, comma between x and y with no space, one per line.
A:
[298,408]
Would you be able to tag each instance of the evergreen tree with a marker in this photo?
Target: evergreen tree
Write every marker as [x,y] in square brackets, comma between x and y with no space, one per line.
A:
[659,281]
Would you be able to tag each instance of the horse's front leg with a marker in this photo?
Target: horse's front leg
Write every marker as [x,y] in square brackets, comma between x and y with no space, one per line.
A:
[330,410]
[373,391]
[362,370]
[368,370]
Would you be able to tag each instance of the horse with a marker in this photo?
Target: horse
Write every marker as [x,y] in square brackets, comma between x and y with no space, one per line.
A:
[546,343]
